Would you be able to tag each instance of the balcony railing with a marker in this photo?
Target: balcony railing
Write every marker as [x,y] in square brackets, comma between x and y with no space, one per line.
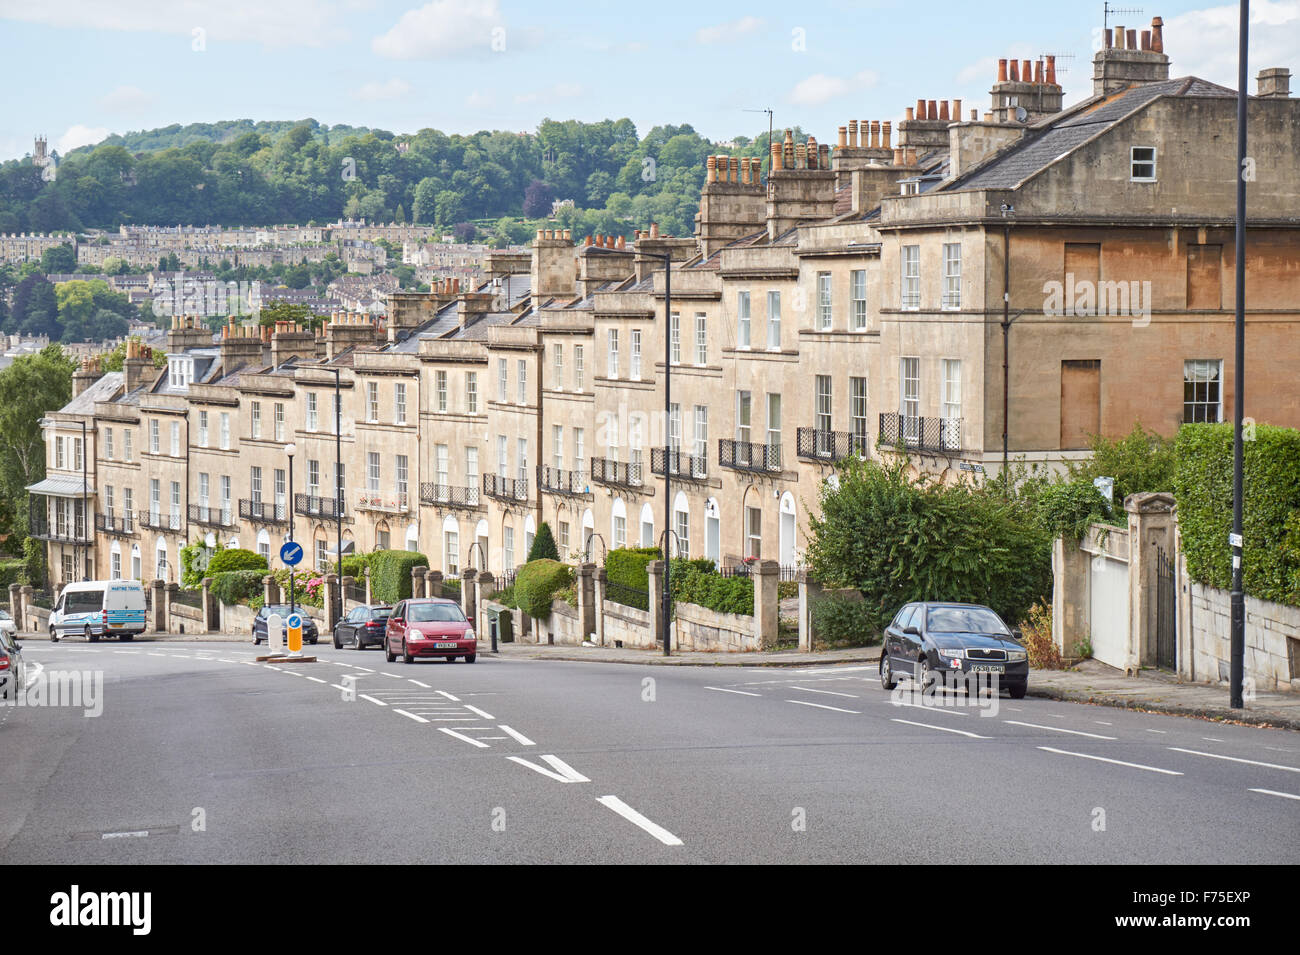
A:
[159,520]
[211,516]
[748,455]
[313,505]
[686,467]
[393,503]
[818,445]
[558,481]
[505,489]
[920,434]
[263,512]
[61,532]
[615,473]
[110,523]
[447,495]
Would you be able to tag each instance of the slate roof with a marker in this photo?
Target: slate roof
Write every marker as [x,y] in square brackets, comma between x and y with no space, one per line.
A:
[101,390]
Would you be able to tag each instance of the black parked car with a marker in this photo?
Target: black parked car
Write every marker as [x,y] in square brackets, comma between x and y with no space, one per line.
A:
[362,627]
[309,632]
[952,642]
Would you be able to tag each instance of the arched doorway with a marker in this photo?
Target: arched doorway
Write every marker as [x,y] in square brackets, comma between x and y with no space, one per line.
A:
[450,547]
[787,531]
[647,525]
[713,531]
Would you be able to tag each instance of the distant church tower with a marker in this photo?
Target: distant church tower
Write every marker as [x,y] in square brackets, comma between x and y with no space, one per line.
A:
[47,162]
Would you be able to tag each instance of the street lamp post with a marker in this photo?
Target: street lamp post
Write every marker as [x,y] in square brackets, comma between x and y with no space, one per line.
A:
[290,449]
[1237,643]
[666,608]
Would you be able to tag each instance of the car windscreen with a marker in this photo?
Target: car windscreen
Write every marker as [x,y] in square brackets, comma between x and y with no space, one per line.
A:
[434,613]
[84,601]
[282,609]
[964,620]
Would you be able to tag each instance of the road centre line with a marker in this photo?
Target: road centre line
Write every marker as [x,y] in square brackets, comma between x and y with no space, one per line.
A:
[1237,759]
[806,689]
[946,710]
[634,817]
[315,679]
[518,737]
[1058,729]
[721,689]
[1117,762]
[475,709]
[943,729]
[418,683]
[454,699]
[468,739]
[418,719]
[373,700]
[823,706]
[1274,792]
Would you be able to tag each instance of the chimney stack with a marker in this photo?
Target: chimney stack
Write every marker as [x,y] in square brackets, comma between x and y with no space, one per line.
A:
[1274,83]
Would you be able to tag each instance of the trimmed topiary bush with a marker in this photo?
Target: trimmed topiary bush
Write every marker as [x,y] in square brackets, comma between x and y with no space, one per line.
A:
[537,584]
[697,582]
[236,559]
[626,576]
[543,545]
[354,565]
[390,574]
[236,586]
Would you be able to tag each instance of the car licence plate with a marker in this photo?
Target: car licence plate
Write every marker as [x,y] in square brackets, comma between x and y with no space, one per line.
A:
[445,646]
[987,668]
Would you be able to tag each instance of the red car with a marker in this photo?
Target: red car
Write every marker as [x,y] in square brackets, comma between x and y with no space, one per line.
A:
[429,627]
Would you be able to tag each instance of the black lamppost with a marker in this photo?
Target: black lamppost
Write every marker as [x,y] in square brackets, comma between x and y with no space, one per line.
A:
[1237,643]
[666,609]
[290,449]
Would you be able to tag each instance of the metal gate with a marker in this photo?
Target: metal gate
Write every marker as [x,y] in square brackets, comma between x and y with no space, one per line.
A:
[1166,612]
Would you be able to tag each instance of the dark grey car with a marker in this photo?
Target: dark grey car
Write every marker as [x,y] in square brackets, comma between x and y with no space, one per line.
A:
[309,632]
[953,642]
[11,667]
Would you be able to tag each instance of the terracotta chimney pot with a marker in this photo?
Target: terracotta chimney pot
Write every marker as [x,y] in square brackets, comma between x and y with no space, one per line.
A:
[884,134]
[1015,71]
[1157,35]
[943,110]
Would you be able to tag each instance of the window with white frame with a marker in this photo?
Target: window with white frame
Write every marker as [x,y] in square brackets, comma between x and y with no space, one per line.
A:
[452,547]
[441,457]
[822,406]
[503,456]
[175,511]
[503,376]
[911,289]
[108,443]
[127,453]
[824,318]
[910,396]
[858,413]
[557,366]
[1203,390]
[399,401]
[634,444]
[521,450]
[153,436]
[204,490]
[313,477]
[60,454]
[742,319]
[224,437]
[471,392]
[203,429]
[562,537]
[774,319]
[372,401]
[522,368]
[701,338]
[1143,164]
[439,389]
[226,515]
[176,439]
[77,447]
[313,418]
[701,437]
[675,335]
[372,472]
[858,299]
[557,446]
[471,472]
[951,275]
[675,426]
[401,479]
[951,425]
[279,492]
[579,451]
[611,369]
[116,566]
[683,521]
[753,532]
[322,556]
[620,531]
[255,428]
[773,423]
[277,419]
[508,547]
[579,370]
[635,370]
[744,411]
[336,413]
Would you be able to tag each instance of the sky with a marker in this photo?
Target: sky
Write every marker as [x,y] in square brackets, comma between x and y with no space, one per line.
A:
[77,70]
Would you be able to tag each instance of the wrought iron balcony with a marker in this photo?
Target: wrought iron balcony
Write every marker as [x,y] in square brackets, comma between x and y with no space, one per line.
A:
[912,432]
[393,503]
[68,531]
[110,523]
[748,455]
[447,495]
[211,516]
[615,473]
[685,467]
[818,445]
[159,520]
[558,481]
[313,505]
[505,489]
[263,512]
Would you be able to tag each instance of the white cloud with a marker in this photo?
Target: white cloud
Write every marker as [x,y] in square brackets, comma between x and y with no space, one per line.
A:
[127,99]
[1204,42]
[373,91]
[478,100]
[730,31]
[822,88]
[558,91]
[443,28]
[282,23]
[79,135]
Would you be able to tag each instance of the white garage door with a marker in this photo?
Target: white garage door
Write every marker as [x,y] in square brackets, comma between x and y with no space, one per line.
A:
[1108,610]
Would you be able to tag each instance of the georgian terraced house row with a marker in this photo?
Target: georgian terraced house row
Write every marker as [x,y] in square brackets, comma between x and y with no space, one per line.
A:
[855,299]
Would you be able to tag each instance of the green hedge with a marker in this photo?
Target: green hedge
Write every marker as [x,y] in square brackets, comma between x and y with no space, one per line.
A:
[626,568]
[698,582]
[236,586]
[235,558]
[390,574]
[354,565]
[1203,488]
[537,584]
[1069,510]
[839,620]
[10,571]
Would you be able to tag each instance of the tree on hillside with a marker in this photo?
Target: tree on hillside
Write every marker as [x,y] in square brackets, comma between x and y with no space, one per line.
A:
[59,259]
[30,388]
[538,198]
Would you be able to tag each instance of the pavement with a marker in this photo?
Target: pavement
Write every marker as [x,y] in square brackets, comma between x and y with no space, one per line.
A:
[1155,691]
[199,753]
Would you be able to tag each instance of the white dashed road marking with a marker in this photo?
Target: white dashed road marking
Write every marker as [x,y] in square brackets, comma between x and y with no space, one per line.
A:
[1117,762]
[1273,792]
[468,739]
[518,737]
[631,815]
[560,771]
[944,729]
[1237,759]
[724,690]
[823,706]
[1058,729]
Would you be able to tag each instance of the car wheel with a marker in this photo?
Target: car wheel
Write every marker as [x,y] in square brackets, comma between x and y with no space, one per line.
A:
[356,641]
[90,635]
[471,657]
[406,654]
[54,635]
[928,676]
[127,636]
[338,644]
[313,640]
[256,639]
[389,655]
[1018,690]
[887,678]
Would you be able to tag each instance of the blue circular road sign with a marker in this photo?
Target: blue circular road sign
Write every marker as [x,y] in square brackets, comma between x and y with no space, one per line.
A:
[291,553]
[294,621]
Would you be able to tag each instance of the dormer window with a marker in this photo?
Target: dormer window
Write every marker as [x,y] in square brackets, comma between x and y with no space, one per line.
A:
[180,372]
[1143,164]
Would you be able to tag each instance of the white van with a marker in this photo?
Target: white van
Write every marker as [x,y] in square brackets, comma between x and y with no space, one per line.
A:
[99,608]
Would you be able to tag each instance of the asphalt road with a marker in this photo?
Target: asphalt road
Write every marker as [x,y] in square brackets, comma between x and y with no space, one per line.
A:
[201,754]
